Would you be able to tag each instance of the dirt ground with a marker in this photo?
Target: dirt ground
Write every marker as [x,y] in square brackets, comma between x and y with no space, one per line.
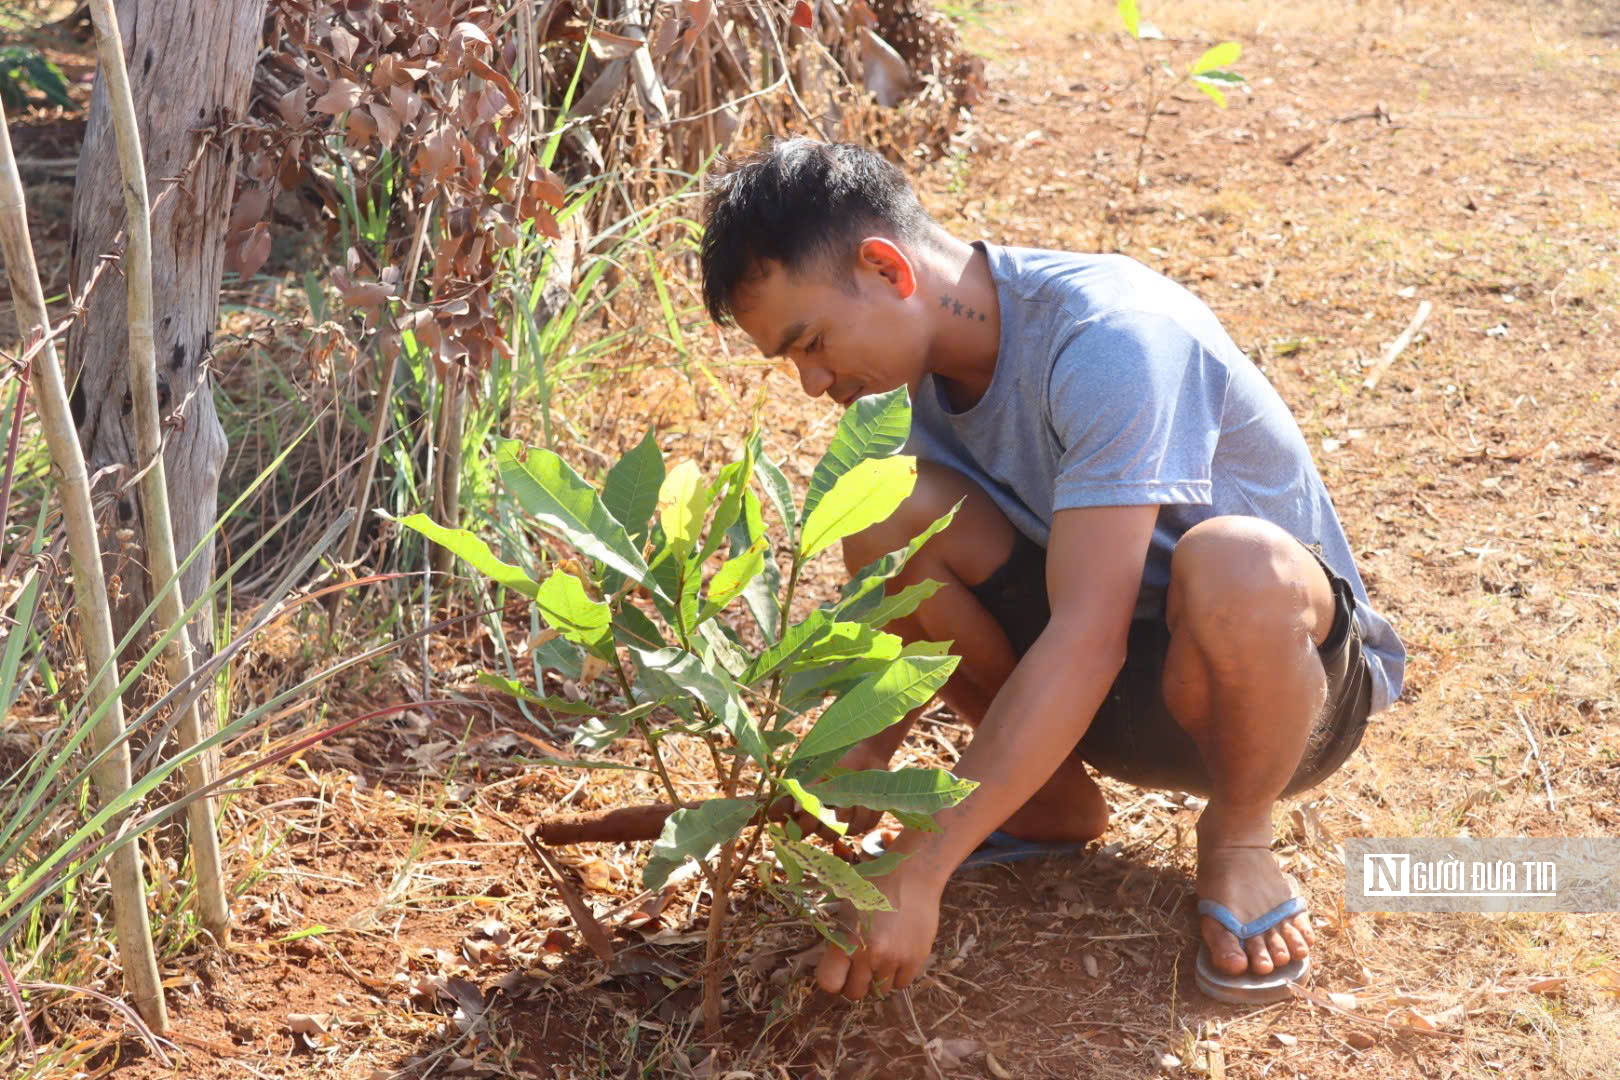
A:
[1383,155]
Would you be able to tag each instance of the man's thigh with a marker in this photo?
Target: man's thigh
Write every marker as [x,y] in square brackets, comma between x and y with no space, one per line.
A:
[1134,737]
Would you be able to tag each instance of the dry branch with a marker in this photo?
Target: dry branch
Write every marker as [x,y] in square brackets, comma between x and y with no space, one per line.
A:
[1398,346]
[143,382]
[113,774]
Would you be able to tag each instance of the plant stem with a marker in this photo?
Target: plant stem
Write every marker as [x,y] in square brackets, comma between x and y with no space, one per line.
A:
[720,889]
[163,563]
[113,775]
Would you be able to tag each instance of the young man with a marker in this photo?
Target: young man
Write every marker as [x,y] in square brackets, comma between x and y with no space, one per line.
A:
[1146,575]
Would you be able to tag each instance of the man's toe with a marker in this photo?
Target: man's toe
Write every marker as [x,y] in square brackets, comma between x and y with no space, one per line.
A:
[1297,946]
[1259,955]
[1277,948]
[1224,950]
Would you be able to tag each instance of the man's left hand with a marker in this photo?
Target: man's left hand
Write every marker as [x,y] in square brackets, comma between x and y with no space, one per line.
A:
[893,946]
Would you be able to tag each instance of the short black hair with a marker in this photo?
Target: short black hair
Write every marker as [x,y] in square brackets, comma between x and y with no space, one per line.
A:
[798,201]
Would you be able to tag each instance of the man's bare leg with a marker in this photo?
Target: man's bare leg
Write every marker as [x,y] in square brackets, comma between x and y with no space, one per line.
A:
[1248,606]
[978,542]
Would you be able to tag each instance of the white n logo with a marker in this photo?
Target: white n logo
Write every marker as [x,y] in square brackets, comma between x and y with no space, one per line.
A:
[1385,875]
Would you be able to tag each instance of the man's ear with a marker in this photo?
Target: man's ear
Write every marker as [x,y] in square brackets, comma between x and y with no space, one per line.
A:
[880,255]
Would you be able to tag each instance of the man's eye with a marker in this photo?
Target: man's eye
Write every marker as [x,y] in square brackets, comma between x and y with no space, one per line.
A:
[815,344]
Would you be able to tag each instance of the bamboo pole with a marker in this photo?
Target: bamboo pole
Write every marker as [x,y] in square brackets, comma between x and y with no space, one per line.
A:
[162,564]
[89,586]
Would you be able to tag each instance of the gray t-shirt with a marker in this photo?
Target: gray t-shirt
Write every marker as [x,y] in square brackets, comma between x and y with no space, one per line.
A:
[1114,386]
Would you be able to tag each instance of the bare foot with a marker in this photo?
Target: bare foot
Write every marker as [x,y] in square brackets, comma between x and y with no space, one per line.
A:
[1236,869]
[1070,807]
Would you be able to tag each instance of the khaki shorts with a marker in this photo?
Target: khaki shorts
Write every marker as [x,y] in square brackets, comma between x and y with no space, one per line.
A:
[1133,737]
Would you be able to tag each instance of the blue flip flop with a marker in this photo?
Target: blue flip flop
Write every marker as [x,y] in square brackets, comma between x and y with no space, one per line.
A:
[1250,989]
[998,847]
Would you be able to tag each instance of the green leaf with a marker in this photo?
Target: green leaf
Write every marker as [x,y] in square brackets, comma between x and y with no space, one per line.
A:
[865,495]
[630,491]
[883,864]
[553,493]
[872,427]
[474,552]
[910,791]
[860,588]
[876,703]
[631,626]
[1214,93]
[672,673]
[694,833]
[569,610]
[1130,16]
[682,499]
[812,806]
[759,594]
[1228,78]
[847,641]
[793,640]
[901,604]
[734,481]
[545,701]
[1217,56]
[839,877]
[778,490]
[732,578]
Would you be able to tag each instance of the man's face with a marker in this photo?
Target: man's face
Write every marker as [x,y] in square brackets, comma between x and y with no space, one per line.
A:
[847,339]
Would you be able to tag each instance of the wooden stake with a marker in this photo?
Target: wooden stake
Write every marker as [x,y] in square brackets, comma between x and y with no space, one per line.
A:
[89,587]
[163,566]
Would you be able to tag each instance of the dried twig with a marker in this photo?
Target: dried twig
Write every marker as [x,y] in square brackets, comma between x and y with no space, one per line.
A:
[1398,346]
[1535,752]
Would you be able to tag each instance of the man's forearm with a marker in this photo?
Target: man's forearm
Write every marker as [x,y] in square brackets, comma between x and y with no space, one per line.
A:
[1034,723]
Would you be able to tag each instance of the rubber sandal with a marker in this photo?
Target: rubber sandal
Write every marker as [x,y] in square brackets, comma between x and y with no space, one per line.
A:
[1248,988]
[998,847]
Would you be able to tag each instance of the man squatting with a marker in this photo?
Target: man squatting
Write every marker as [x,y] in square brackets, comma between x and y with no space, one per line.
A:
[1146,575]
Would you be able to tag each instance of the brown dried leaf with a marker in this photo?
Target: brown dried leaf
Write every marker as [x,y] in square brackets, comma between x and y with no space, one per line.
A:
[251,203]
[387,122]
[343,43]
[340,97]
[436,155]
[360,294]
[292,166]
[406,105]
[996,1068]
[253,251]
[605,46]
[1361,1040]
[465,36]
[1410,1017]
[591,930]
[547,186]
[804,16]
[1554,987]
[361,128]
[290,107]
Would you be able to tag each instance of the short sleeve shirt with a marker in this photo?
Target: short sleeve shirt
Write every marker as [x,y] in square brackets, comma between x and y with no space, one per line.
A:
[1114,386]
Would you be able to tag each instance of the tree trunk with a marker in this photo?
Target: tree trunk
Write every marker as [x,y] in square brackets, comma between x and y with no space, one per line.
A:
[191,65]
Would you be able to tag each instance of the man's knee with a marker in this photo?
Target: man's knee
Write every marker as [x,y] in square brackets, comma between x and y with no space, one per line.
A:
[1239,583]
[978,534]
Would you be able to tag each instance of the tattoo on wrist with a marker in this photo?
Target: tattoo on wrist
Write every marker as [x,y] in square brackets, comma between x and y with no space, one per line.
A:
[960,309]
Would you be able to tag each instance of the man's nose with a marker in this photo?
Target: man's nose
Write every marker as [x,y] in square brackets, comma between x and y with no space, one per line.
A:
[815,379]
